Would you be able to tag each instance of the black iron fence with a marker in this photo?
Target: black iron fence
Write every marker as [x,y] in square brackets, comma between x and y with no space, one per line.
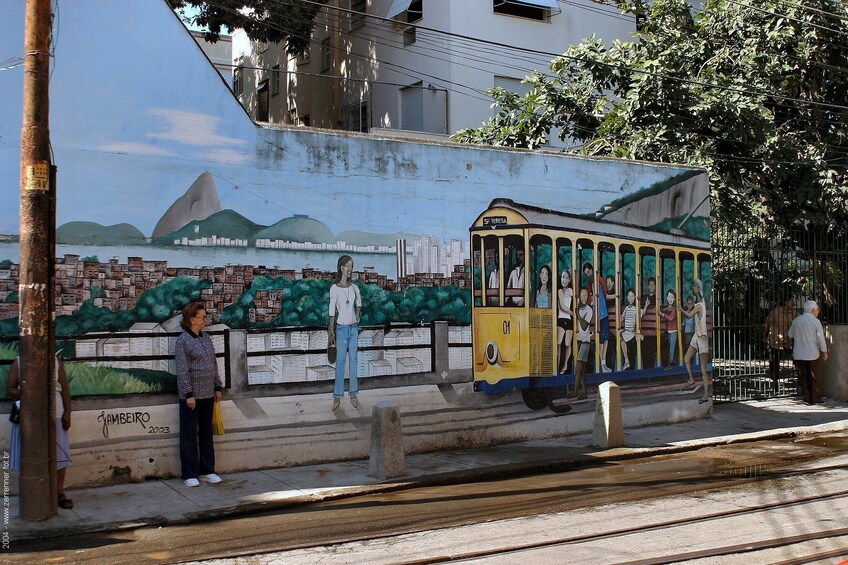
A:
[756,272]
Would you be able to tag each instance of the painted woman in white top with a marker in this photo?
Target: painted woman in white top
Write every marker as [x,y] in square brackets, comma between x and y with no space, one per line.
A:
[343,331]
[565,327]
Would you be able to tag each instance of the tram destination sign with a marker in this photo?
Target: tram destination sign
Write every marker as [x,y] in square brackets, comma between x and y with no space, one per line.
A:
[495,221]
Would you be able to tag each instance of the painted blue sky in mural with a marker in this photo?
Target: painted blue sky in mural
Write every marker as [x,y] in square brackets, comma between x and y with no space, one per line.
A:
[138,114]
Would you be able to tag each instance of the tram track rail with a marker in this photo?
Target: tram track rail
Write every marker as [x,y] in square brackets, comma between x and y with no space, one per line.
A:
[713,552]
[744,478]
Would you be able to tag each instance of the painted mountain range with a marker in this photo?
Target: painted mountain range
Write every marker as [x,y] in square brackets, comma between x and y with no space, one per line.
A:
[197,214]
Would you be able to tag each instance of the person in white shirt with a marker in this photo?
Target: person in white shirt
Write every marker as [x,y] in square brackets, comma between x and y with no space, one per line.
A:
[516,280]
[808,335]
[700,344]
[492,298]
[343,331]
[627,331]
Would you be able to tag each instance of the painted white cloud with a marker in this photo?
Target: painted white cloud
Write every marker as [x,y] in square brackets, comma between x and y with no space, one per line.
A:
[225,156]
[136,149]
[191,128]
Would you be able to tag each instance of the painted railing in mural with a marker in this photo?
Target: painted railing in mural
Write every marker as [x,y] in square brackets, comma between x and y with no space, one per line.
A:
[291,360]
[763,276]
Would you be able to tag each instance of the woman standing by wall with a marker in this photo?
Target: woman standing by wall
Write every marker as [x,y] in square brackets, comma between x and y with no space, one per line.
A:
[343,331]
[199,387]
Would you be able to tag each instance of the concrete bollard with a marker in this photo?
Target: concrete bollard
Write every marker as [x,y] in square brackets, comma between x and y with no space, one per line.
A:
[387,457]
[609,424]
[833,379]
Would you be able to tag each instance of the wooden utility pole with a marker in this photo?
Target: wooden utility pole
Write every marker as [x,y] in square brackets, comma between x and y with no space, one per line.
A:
[38,233]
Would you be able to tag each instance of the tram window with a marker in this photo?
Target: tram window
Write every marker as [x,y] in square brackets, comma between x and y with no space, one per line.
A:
[648,306]
[514,264]
[628,301]
[687,275]
[668,304]
[586,264]
[477,269]
[607,308]
[565,303]
[705,273]
[586,287]
[565,277]
[493,270]
[542,281]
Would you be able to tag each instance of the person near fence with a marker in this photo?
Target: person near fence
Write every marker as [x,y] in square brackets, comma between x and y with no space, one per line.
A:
[809,344]
[343,331]
[199,387]
[776,328]
[700,344]
[565,331]
[62,404]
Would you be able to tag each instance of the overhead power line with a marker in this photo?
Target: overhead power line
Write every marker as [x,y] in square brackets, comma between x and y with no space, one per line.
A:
[705,84]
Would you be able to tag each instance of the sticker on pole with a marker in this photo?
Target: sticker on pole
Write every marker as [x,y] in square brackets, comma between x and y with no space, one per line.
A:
[38,176]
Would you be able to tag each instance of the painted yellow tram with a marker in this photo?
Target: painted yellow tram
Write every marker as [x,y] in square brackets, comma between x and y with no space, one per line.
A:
[529,268]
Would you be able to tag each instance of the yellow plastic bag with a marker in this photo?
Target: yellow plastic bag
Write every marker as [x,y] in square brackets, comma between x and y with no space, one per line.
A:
[217,420]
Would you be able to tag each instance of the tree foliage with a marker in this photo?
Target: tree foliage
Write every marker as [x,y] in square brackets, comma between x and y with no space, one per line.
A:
[754,92]
[270,21]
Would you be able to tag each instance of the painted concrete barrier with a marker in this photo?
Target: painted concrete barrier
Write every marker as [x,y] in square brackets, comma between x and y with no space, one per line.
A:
[608,428]
[833,373]
[387,457]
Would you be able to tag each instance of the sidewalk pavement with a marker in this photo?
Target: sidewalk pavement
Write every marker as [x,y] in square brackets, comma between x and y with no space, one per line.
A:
[166,502]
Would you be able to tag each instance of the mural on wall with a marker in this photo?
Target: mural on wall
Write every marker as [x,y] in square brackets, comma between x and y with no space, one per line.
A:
[168,192]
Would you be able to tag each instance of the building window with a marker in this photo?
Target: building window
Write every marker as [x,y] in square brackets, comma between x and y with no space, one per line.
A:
[303,58]
[412,107]
[358,9]
[326,55]
[520,9]
[415,11]
[355,117]
[275,80]
[238,81]
[262,105]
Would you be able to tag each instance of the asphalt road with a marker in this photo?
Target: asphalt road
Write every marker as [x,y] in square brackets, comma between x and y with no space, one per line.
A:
[368,519]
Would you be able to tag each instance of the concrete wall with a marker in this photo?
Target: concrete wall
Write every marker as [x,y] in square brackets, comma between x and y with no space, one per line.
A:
[281,431]
[129,150]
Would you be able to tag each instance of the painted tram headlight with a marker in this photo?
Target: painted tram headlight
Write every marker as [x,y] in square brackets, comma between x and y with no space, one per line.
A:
[492,353]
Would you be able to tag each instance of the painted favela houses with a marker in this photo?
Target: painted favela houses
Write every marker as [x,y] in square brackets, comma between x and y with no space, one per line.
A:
[470,262]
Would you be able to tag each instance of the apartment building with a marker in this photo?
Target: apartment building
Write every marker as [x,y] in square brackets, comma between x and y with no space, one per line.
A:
[413,65]
[220,54]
